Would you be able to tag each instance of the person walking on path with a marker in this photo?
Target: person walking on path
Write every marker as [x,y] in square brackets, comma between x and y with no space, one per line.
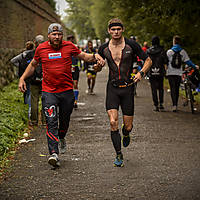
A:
[22,61]
[157,72]
[36,89]
[120,54]
[75,73]
[91,74]
[176,55]
[57,85]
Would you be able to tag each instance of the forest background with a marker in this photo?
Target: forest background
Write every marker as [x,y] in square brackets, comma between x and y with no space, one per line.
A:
[141,18]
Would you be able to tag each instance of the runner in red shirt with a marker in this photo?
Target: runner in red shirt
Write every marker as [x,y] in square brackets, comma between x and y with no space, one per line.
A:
[57,85]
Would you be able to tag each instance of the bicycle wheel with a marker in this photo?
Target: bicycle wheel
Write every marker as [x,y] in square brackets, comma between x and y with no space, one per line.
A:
[191,98]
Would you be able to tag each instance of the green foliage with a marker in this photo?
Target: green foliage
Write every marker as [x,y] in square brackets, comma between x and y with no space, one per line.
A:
[100,15]
[142,18]
[163,18]
[13,117]
[79,18]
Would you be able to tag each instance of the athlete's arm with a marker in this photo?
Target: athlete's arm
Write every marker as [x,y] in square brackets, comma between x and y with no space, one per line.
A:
[28,72]
[91,58]
[145,68]
[191,64]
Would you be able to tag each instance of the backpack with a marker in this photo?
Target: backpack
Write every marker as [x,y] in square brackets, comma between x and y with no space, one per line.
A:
[24,62]
[159,58]
[176,60]
[157,68]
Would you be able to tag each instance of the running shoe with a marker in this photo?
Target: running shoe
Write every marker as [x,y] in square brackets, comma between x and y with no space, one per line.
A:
[63,146]
[53,160]
[174,109]
[91,92]
[119,160]
[156,109]
[126,140]
[161,108]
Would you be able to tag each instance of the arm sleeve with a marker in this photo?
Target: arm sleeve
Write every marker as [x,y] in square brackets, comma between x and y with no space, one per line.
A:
[75,50]
[190,63]
[185,56]
[137,49]
[16,60]
[37,56]
[100,50]
[187,60]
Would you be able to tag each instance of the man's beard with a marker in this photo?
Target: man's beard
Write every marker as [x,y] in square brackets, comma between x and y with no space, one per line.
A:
[56,46]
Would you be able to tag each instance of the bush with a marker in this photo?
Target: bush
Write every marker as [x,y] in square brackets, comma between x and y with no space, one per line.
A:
[13,118]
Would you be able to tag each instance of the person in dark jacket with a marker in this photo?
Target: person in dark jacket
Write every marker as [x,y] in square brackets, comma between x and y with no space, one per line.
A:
[21,61]
[157,72]
[36,90]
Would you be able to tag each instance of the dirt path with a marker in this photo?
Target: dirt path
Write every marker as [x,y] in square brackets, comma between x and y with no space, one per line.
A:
[161,163]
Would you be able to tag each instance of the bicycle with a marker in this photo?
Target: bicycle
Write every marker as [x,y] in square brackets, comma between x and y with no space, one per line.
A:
[189,88]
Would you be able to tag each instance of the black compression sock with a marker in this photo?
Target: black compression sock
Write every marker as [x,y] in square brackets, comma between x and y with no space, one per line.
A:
[116,140]
[125,132]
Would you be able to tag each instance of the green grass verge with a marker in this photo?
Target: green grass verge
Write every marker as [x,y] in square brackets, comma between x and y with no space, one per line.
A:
[13,120]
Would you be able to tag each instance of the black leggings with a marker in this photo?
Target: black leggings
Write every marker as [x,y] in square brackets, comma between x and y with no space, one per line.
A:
[157,87]
[174,82]
[57,105]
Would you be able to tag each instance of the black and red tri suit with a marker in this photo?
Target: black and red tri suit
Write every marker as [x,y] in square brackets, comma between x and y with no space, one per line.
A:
[116,94]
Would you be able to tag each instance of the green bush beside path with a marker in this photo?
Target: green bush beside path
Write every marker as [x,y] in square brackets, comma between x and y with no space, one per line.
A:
[13,119]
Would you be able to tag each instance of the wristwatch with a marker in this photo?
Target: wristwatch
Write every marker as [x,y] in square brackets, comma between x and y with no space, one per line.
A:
[141,73]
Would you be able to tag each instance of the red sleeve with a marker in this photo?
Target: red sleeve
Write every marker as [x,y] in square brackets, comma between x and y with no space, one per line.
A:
[75,51]
[36,56]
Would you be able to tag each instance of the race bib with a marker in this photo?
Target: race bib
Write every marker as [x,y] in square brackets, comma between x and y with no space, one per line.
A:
[90,67]
[54,55]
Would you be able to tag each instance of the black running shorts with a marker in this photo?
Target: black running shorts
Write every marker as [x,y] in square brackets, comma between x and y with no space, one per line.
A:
[120,96]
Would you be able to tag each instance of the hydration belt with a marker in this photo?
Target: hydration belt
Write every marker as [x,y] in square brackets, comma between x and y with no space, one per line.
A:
[122,84]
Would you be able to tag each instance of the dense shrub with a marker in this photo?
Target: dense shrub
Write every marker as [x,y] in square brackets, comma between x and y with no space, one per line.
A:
[13,117]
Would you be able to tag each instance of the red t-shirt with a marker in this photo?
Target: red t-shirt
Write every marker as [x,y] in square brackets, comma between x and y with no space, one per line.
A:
[56,66]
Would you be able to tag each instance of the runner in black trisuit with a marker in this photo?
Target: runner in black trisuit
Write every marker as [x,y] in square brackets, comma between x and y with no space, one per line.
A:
[120,54]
